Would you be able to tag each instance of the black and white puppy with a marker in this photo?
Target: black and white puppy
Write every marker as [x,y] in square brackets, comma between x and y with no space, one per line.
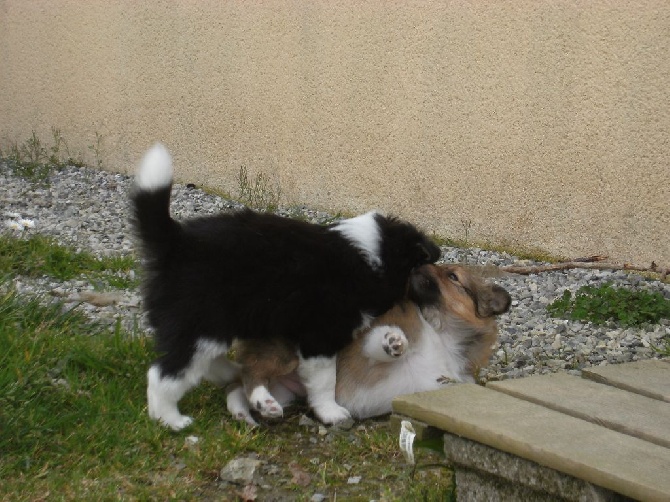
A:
[249,275]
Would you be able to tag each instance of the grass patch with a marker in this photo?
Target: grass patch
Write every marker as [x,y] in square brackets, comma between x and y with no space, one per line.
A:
[663,348]
[40,255]
[72,418]
[606,303]
[519,252]
[73,426]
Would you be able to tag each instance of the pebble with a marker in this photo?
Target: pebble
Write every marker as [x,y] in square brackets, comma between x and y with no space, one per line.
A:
[191,441]
[240,470]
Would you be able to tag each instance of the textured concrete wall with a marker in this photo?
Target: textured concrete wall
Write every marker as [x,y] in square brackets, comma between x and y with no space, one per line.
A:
[540,123]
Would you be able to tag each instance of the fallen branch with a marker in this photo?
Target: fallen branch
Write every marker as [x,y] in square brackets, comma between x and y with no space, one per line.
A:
[593,262]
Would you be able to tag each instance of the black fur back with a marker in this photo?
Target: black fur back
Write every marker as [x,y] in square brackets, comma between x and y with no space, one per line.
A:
[251,275]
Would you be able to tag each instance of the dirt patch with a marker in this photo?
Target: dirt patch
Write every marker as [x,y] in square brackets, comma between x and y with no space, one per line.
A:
[319,463]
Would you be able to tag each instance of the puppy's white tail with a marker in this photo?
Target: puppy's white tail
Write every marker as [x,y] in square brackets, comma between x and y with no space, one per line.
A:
[150,201]
[155,171]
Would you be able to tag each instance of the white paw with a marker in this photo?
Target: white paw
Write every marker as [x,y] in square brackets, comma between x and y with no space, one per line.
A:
[245,417]
[238,405]
[264,403]
[176,423]
[331,413]
[168,416]
[395,343]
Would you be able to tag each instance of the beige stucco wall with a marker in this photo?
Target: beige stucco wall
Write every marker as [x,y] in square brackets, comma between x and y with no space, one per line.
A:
[540,123]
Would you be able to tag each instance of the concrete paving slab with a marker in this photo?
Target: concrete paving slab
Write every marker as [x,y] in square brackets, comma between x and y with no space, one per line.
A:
[487,474]
[611,407]
[650,378]
[618,462]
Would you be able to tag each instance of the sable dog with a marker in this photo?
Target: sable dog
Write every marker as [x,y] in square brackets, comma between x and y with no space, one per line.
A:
[254,276]
[442,333]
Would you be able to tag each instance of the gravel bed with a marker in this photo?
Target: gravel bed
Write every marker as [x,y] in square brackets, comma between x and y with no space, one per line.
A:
[88,209]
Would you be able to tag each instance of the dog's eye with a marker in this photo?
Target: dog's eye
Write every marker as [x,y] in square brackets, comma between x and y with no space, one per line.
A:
[452,276]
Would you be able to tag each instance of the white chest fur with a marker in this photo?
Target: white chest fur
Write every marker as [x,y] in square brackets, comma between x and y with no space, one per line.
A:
[428,363]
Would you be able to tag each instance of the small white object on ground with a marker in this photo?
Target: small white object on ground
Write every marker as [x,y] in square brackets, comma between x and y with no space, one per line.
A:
[407,435]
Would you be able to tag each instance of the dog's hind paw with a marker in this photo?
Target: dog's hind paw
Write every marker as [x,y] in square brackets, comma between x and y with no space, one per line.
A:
[238,405]
[264,403]
[395,343]
[246,417]
[269,408]
[331,413]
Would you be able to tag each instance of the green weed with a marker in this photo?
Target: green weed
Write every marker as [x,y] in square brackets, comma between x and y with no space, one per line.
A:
[259,193]
[663,348]
[519,252]
[607,303]
[28,160]
[34,161]
[96,149]
[60,156]
[40,255]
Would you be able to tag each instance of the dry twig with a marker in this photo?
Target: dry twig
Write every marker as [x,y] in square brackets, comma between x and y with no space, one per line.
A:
[592,262]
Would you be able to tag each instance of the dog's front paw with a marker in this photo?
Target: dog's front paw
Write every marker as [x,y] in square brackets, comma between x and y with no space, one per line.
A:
[170,417]
[265,404]
[394,343]
[176,423]
[331,413]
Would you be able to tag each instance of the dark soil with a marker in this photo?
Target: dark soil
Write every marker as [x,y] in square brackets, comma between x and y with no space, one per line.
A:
[321,463]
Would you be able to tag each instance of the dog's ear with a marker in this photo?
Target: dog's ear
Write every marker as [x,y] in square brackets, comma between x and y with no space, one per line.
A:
[493,301]
[427,252]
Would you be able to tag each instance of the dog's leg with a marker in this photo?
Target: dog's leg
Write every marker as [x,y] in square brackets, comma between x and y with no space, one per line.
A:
[318,375]
[255,385]
[269,400]
[238,405]
[163,394]
[222,371]
[261,362]
[261,399]
[283,394]
[165,390]
[385,343]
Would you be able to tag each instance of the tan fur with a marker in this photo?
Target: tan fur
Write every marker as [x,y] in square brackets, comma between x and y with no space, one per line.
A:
[477,322]
[264,360]
[354,369]
[466,311]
